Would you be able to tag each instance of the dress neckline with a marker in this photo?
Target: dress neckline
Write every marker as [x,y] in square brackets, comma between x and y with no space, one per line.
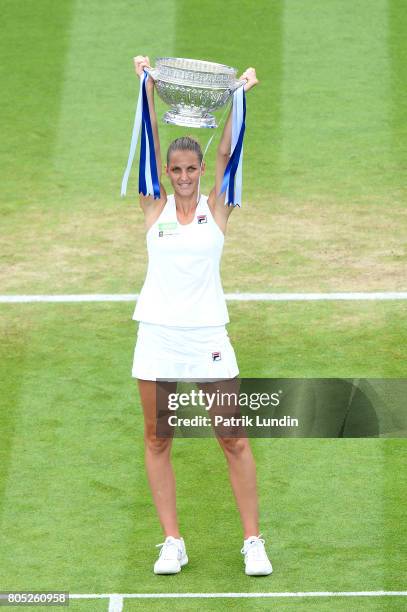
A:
[194,217]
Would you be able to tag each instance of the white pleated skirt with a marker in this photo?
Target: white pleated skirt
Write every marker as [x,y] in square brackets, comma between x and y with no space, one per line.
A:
[179,353]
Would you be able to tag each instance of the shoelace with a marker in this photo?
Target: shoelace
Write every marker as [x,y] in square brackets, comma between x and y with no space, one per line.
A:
[168,550]
[256,548]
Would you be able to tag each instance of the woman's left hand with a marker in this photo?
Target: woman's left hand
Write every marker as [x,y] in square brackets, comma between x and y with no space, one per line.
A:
[250,75]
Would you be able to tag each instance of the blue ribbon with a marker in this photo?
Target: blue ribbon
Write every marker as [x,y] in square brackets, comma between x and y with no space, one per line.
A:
[148,175]
[146,169]
[228,182]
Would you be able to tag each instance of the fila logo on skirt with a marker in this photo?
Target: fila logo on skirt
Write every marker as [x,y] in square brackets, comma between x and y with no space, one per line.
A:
[216,356]
[202,219]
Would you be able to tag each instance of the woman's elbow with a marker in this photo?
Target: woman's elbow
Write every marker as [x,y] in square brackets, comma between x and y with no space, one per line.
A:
[223,154]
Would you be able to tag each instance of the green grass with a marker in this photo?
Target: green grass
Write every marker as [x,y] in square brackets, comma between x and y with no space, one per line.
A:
[324,210]
[72,430]
[324,152]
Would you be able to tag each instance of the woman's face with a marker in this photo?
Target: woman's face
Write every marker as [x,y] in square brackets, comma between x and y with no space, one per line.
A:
[183,171]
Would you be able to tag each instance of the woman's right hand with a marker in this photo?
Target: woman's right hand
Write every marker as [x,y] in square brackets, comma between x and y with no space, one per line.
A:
[141,62]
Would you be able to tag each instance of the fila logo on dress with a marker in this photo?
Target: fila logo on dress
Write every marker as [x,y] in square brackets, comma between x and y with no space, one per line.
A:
[216,356]
[202,219]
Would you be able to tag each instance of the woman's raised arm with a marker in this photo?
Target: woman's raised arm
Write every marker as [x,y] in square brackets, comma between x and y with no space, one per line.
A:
[223,152]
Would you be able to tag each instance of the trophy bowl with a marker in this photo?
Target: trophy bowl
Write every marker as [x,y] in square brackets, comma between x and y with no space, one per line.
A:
[193,88]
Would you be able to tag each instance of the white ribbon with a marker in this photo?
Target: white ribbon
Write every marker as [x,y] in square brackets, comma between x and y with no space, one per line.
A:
[237,120]
[134,138]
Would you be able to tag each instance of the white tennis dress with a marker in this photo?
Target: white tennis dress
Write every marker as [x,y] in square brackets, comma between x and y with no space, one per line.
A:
[181,308]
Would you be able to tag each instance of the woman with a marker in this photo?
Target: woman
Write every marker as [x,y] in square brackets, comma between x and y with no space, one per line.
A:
[182,314]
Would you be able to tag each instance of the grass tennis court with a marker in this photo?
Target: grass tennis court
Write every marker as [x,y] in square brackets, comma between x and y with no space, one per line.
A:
[324,210]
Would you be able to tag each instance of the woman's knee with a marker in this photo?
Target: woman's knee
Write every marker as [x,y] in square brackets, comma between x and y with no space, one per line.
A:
[155,445]
[234,446]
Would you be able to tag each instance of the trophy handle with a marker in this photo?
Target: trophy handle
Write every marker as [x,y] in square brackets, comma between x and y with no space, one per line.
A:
[237,84]
[153,72]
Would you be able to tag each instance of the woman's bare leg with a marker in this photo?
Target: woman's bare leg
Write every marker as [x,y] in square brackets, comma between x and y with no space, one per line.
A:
[242,474]
[157,459]
[239,456]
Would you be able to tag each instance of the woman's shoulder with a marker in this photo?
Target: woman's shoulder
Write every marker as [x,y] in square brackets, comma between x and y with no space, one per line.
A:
[153,209]
[149,204]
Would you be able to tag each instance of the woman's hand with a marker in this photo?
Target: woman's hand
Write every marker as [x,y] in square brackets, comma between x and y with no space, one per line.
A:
[141,62]
[250,75]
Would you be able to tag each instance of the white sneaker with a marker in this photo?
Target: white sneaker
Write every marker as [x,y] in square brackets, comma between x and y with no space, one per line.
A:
[172,556]
[255,557]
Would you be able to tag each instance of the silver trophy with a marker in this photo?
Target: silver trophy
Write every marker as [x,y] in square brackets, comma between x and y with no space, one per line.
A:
[193,88]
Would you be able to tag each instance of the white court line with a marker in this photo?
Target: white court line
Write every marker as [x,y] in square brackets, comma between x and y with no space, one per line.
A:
[115,603]
[119,596]
[116,600]
[233,297]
